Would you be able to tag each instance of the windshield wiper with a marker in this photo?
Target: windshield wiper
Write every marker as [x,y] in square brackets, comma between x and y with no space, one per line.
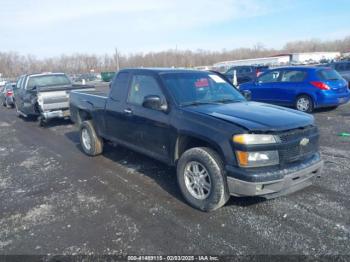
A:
[196,103]
[227,100]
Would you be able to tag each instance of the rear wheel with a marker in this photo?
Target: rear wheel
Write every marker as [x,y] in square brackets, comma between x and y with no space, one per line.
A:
[91,143]
[9,105]
[304,103]
[202,179]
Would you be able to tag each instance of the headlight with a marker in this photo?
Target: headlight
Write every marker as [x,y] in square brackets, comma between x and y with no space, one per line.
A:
[257,159]
[252,139]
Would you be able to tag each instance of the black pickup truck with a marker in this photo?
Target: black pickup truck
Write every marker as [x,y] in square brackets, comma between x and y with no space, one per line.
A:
[220,143]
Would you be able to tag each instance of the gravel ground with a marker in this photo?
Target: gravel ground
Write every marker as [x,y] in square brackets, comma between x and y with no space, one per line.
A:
[56,200]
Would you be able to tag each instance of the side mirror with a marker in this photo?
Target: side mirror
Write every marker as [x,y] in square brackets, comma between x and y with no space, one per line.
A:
[154,102]
[247,94]
[34,88]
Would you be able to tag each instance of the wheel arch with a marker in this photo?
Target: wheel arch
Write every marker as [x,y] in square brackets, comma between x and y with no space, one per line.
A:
[312,96]
[185,142]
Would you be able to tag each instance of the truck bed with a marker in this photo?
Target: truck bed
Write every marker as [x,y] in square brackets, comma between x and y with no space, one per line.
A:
[88,101]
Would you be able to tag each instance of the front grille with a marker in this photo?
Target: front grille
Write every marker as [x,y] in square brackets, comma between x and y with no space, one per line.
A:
[292,150]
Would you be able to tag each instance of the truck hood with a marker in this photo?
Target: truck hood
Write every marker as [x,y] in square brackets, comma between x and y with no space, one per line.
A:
[255,116]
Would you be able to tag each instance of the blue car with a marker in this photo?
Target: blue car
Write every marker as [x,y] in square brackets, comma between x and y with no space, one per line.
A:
[304,88]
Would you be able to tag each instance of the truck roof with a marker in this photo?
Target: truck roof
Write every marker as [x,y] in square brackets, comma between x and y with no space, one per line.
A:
[44,74]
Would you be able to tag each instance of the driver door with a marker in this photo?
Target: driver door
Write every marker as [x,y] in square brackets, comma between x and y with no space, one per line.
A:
[148,129]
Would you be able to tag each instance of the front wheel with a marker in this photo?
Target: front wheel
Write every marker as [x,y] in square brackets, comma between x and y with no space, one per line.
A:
[201,178]
[304,103]
[91,143]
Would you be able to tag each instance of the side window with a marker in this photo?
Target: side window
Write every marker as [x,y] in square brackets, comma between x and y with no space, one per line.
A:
[269,77]
[248,70]
[240,70]
[230,72]
[19,82]
[120,82]
[293,76]
[24,82]
[339,67]
[142,86]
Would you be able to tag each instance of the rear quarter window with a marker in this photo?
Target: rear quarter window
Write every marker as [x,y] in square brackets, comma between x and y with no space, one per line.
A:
[328,75]
[119,85]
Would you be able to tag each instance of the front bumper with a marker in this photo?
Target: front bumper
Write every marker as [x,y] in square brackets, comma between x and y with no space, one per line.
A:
[291,182]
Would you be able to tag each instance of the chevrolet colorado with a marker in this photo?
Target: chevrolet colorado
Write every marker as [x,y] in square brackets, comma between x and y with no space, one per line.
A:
[220,143]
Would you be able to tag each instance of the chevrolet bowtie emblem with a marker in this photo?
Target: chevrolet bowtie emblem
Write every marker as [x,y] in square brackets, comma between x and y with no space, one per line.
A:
[304,142]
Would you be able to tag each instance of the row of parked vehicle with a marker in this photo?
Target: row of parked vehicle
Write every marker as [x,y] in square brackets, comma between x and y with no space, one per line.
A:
[304,88]
[42,96]
[221,144]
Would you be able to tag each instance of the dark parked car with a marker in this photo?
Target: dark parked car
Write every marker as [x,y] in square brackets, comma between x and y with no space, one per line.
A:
[221,144]
[343,68]
[304,88]
[245,73]
[45,96]
[6,95]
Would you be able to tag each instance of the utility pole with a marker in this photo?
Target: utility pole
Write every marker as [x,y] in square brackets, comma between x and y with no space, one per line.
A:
[117,58]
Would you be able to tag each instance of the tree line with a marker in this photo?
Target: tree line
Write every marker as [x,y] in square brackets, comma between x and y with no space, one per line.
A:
[13,64]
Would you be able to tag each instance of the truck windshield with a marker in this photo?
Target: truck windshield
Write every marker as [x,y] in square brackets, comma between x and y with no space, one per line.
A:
[48,80]
[200,88]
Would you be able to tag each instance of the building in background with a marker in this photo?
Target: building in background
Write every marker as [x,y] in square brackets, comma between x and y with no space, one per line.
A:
[270,61]
[281,60]
[313,57]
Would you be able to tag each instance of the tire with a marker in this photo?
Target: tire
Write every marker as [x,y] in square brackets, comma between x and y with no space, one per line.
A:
[218,194]
[19,115]
[304,103]
[87,131]
[8,105]
[41,121]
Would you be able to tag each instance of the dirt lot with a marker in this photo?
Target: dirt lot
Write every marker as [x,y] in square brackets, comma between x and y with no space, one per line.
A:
[56,200]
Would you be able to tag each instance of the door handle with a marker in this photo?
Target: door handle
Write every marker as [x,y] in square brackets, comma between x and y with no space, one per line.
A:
[128,111]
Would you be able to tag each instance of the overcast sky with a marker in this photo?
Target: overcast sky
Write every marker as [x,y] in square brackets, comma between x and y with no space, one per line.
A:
[53,27]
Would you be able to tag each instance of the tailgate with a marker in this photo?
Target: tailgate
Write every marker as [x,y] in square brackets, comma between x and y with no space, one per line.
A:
[55,100]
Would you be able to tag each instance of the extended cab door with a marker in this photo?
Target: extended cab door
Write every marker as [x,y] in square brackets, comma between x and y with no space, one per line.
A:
[147,129]
[115,116]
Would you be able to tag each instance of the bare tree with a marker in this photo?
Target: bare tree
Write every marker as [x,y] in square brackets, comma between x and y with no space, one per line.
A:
[13,64]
